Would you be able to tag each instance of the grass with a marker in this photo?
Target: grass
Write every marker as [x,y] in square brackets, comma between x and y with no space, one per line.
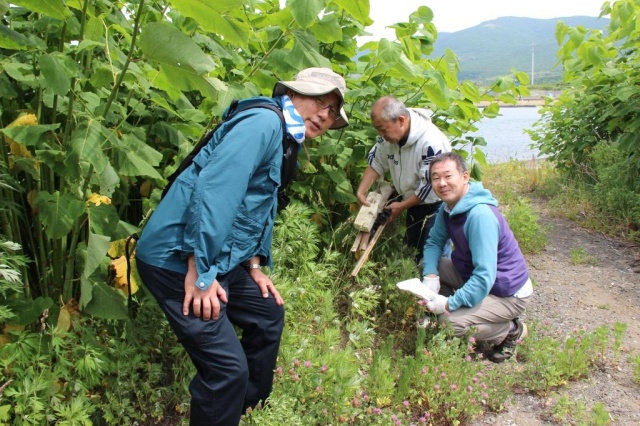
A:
[351,352]
[579,256]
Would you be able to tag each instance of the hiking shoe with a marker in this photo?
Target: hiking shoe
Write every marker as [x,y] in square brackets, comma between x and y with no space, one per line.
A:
[507,348]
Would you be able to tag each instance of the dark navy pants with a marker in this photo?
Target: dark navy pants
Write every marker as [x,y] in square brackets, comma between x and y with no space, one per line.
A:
[418,225]
[232,374]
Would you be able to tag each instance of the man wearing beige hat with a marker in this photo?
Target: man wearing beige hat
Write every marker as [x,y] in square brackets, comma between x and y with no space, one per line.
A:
[202,250]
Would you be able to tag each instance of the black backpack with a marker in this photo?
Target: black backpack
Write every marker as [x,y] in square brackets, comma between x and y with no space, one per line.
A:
[289,151]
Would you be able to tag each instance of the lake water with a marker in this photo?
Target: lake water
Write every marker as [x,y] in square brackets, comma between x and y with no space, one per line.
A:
[505,136]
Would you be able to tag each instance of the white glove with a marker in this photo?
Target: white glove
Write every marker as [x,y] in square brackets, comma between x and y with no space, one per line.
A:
[432,283]
[415,286]
[438,304]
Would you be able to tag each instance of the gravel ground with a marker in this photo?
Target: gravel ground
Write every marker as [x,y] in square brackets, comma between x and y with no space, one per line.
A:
[605,290]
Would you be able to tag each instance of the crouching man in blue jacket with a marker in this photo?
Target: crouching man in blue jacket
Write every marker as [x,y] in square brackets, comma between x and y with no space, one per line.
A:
[485,285]
[202,250]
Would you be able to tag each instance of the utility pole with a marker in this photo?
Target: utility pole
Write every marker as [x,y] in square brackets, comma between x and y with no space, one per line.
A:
[533,54]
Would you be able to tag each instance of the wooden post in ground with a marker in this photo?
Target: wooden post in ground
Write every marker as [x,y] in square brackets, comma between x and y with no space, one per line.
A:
[364,222]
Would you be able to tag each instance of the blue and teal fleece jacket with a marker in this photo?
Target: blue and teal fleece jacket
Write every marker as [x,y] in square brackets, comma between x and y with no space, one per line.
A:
[223,206]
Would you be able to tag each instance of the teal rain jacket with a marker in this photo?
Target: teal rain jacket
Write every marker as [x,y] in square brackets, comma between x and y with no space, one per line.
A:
[222,207]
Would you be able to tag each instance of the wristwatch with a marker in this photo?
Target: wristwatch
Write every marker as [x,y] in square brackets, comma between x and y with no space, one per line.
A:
[250,266]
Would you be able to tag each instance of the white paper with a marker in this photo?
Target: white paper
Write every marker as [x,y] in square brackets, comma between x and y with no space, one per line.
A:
[415,286]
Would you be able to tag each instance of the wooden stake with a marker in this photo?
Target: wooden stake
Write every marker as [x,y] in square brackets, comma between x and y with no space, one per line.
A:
[356,242]
[366,253]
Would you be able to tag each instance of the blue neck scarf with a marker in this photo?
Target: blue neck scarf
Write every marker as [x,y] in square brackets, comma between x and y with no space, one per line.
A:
[293,120]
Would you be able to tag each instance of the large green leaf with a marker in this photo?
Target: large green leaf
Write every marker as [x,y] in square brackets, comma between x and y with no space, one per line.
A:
[389,54]
[175,51]
[96,251]
[58,212]
[344,193]
[211,15]
[28,311]
[86,144]
[54,8]
[106,302]
[22,73]
[103,219]
[124,230]
[108,181]
[13,40]
[305,52]
[328,30]
[54,73]
[30,135]
[359,9]
[133,157]
[184,66]
[305,12]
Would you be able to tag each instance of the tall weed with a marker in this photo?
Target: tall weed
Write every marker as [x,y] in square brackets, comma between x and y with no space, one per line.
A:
[523,221]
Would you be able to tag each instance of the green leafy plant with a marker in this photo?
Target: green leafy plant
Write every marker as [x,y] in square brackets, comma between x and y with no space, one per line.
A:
[635,361]
[523,221]
[579,256]
[550,362]
[568,411]
[588,131]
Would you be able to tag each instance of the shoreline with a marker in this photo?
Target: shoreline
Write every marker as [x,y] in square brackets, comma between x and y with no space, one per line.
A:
[525,102]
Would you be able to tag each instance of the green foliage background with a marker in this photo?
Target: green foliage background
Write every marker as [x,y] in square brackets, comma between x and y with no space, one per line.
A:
[590,132]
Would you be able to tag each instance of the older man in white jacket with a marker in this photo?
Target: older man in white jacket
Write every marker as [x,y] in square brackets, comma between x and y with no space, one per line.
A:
[407,142]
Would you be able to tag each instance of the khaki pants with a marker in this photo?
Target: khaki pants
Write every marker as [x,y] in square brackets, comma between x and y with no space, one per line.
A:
[490,319]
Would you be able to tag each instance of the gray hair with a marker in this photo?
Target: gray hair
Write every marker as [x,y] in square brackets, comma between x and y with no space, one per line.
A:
[389,108]
[449,156]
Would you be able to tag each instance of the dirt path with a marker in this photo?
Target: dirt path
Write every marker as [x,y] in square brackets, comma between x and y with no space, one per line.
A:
[605,290]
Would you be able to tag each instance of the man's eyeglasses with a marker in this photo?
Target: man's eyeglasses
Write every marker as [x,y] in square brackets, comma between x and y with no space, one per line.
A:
[322,104]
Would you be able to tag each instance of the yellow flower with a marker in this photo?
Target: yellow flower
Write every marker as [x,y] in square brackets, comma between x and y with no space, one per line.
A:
[119,267]
[18,149]
[98,199]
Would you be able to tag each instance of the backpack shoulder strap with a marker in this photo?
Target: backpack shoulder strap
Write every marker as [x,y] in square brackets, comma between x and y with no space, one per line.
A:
[233,110]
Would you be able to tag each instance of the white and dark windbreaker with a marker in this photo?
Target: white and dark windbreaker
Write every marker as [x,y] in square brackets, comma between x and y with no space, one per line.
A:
[409,164]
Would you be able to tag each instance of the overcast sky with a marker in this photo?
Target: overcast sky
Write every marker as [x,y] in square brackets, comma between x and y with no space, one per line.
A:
[455,15]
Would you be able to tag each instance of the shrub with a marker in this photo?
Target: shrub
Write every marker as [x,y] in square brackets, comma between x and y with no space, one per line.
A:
[523,221]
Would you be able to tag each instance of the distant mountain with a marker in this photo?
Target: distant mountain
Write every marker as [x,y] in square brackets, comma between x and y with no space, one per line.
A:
[493,48]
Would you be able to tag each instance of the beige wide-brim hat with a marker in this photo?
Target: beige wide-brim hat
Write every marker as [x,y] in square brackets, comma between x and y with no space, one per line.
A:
[316,82]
